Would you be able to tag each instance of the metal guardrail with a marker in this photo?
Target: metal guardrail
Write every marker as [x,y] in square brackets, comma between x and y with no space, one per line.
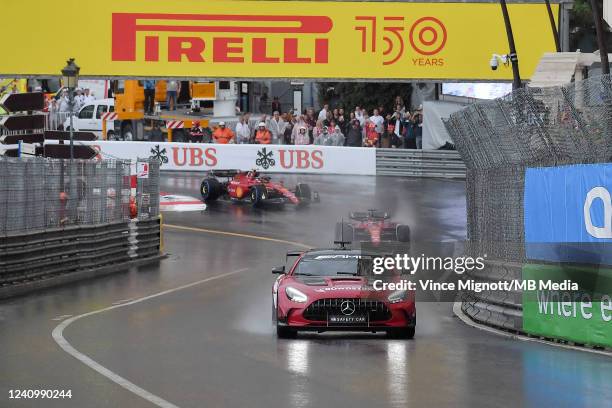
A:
[496,308]
[43,254]
[145,238]
[419,163]
[29,259]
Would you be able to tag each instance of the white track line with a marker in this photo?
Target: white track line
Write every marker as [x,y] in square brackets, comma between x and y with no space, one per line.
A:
[58,336]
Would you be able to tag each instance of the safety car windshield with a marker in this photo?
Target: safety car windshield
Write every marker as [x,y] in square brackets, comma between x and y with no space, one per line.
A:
[334,265]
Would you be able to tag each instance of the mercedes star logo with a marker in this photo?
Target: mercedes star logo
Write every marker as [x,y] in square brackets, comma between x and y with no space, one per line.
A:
[347,307]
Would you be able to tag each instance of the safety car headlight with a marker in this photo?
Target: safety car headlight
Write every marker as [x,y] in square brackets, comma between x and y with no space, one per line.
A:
[295,295]
[398,296]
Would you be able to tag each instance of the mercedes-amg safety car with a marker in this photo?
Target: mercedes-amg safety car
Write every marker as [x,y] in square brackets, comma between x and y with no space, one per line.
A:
[250,186]
[371,226]
[336,289]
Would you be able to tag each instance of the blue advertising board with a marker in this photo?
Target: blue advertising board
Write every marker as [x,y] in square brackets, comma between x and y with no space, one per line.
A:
[568,213]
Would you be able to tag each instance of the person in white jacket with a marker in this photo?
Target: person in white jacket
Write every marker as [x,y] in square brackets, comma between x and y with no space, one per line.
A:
[337,138]
[79,100]
[324,138]
[323,112]
[64,102]
[89,96]
[243,131]
[277,126]
[359,116]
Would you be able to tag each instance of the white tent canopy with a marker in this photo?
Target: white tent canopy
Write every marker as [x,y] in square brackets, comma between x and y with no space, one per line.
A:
[434,131]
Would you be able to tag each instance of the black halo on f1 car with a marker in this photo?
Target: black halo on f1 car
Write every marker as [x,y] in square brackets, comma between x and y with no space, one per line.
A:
[211,189]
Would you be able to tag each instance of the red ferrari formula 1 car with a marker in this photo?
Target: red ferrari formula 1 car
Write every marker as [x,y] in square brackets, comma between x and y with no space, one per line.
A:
[237,185]
[371,226]
[335,289]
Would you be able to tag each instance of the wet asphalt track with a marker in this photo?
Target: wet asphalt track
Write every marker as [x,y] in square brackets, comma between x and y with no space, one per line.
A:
[213,344]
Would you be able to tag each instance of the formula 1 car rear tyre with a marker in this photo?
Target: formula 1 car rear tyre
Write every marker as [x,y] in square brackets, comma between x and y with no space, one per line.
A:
[344,232]
[303,193]
[258,195]
[403,233]
[210,189]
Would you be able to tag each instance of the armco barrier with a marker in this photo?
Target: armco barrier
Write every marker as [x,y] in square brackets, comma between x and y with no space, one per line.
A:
[419,163]
[34,260]
[496,308]
[145,237]
[57,251]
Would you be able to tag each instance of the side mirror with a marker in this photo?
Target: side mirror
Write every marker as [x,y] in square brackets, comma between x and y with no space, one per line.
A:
[279,270]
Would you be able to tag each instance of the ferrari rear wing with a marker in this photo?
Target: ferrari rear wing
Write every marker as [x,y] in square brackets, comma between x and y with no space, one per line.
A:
[224,173]
[370,214]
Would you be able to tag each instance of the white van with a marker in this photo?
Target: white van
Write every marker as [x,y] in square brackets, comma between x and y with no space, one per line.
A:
[89,118]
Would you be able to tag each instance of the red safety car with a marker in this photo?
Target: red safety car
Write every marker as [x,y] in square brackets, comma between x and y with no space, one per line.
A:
[371,226]
[250,186]
[335,289]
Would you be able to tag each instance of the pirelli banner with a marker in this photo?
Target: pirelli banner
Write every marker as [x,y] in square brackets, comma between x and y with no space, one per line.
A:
[270,39]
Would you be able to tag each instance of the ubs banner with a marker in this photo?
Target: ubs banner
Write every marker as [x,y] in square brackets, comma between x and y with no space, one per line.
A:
[568,225]
[267,158]
[270,39]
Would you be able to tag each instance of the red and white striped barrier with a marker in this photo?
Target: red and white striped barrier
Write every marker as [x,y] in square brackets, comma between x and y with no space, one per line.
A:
[175,124]
[109,116]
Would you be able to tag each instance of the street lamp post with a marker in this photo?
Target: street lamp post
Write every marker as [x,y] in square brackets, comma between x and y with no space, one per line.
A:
[70,79]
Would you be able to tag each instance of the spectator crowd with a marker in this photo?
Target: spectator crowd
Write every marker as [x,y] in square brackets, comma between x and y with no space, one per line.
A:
[330,126]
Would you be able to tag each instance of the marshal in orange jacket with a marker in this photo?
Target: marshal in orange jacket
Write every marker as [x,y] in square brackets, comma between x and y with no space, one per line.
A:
[263,136]
[223,135]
